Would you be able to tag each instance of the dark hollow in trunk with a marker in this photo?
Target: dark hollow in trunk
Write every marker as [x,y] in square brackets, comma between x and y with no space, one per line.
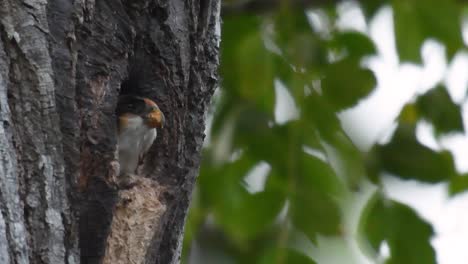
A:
[63,64]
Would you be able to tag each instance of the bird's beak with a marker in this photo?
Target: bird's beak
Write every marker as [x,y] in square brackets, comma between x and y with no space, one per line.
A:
[156,119]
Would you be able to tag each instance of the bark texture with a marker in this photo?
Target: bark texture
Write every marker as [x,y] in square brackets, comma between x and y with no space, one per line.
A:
[63,64]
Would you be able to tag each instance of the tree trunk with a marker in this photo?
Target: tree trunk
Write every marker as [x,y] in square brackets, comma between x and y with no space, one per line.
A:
[63,64]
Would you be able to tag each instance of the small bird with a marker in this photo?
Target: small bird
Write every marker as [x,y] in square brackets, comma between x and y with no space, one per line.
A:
[138,119]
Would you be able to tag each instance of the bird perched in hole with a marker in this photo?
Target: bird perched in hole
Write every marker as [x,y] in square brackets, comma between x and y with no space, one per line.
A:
[138,119]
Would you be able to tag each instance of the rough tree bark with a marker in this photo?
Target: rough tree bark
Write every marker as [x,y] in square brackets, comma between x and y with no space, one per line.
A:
[63,64]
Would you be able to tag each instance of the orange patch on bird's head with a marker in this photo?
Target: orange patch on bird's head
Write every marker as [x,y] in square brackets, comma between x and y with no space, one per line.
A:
[156,119]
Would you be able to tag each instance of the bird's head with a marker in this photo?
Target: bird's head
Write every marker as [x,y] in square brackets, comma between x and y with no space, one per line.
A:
[155,118]
[145,108]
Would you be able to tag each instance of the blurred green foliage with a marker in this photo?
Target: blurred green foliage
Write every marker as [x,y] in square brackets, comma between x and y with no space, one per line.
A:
[407,235]
[305,193]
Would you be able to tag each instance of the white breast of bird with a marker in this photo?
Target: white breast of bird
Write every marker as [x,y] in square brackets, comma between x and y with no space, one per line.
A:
[134,140]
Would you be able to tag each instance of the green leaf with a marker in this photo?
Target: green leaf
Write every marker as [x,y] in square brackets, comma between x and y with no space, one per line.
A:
[407,235]
[409,35]
[299,44]
[318,175]
[235,29]
[354,44]
[416,21]
[319,111]
[405,157]
[220,184]
[346,83]
[437,107]
[310,136]
[289,23]
[458,184]
[284,70]
[285,256]
[370,7]
[349,159]
[255,72]
[247,67]
[238,32]
[314,207]
[255,135]
[256,213]
[409,115]
[241,214]
[305,51]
